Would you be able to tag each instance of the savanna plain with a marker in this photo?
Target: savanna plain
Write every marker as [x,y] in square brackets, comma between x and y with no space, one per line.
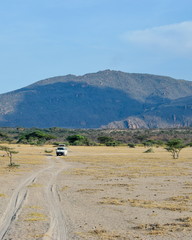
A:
[95,193]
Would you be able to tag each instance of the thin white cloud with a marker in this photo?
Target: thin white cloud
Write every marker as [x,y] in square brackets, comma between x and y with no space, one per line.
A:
[174,37]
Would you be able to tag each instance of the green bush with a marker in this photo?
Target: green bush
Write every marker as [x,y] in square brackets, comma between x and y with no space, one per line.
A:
[105,139]
[59,143]
[108,141]
[189,144]
[78,140]
[36,137]
[112,143]
[48,151]
[131,145]
[149,143]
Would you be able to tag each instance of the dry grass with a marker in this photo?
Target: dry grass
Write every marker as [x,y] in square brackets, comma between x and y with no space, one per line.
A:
[181,199]
[186,219]
[64,188]
[125,162]
[31,155]
[181,225]
[90,190]
[34,207]
[27,158]
[123,186]
[160,205]
[2,195]
[34,185]
[112,201]
[188,185]
[35,216]
[171,206]
[37,236]
[102,234]
[152,229]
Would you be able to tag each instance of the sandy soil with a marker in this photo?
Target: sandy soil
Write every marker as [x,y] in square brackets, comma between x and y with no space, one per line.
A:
[96,193]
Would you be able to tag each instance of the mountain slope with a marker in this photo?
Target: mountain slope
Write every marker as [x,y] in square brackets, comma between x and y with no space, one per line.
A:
[175,113]
[107,98]
[138,86]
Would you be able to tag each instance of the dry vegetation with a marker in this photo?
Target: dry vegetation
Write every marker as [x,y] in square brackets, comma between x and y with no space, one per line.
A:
[28,156]
[125,162]
[149,194]
[114,192]
[35,216]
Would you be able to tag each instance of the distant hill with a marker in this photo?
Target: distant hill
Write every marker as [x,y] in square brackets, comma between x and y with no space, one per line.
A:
[110,99]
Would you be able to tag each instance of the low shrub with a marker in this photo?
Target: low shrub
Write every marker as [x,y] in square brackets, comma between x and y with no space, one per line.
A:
[131,145]
[150,150]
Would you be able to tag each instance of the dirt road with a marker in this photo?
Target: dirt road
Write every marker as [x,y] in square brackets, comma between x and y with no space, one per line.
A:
[40,187]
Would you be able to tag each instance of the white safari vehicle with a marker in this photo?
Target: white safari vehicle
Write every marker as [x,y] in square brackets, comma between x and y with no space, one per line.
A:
[61,150]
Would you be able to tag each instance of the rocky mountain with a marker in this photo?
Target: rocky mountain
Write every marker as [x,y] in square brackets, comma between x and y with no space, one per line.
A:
[174,114]
[111,99]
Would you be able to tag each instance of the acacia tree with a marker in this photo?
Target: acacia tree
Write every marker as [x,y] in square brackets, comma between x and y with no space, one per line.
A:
[175,146]
[77,140]
[35,137]
[9,151]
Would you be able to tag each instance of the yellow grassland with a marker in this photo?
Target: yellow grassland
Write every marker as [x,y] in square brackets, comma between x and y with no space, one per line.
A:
[28,157]
[127,162]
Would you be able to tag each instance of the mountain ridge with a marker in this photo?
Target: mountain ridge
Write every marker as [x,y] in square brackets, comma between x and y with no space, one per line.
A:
[107,77]
[103,99]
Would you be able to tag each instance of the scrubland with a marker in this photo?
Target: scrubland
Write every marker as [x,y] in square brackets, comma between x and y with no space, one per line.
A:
[104,193]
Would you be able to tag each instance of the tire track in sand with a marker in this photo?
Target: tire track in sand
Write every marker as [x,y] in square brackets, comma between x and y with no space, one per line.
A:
[57,228]
[16,202]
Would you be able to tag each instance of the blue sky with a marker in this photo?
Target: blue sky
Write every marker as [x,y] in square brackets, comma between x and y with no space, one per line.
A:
[46,38]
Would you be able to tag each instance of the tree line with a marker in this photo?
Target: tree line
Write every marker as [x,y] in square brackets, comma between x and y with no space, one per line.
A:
[168,139]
